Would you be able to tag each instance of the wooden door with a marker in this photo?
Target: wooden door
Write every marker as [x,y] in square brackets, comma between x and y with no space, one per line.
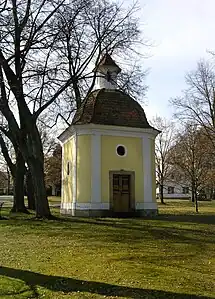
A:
[121,193]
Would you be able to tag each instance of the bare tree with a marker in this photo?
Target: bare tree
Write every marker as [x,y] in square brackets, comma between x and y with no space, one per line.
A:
[191,156]
[46,50]
[163,143]
[100,27]
[197,105]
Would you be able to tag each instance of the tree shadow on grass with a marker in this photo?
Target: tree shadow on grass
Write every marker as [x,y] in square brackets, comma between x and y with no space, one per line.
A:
[189,218]
[197,218]
[68,285]
[189,234]
[125,230]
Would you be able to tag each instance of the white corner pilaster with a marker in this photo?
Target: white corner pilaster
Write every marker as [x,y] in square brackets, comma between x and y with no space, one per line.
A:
[147,169]
[96,168]
[74,171]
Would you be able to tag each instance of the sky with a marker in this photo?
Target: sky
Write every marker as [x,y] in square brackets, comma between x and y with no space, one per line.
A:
[182,32]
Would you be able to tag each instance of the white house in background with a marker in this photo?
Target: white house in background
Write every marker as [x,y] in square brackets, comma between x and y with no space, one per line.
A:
[175,185]
[175,190]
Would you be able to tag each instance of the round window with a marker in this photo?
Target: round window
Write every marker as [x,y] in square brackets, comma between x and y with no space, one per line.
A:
[121,151]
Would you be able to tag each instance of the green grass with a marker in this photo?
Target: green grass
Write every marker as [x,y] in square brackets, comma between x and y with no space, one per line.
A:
[170,256]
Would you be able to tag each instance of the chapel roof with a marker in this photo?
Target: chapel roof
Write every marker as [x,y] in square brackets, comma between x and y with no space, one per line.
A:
[111,107]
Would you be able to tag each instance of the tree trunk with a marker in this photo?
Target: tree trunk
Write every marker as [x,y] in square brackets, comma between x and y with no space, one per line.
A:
[35,161]
[193,191]
[161,193]
[196,202]
[28,140]
[18,183]
[30,191]
[192,196]
[41,201]
[8,181]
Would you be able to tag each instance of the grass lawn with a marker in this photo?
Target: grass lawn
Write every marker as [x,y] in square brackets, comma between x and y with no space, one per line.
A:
[8,200]
[170,256]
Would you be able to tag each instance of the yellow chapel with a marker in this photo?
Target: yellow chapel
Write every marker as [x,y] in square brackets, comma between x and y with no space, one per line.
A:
[108,153]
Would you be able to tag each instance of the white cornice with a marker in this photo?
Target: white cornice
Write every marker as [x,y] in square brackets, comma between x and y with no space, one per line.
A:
[69,132]
[94,129]
[116,128]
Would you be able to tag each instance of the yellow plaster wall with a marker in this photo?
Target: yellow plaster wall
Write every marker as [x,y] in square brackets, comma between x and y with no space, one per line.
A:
[84,168]
[153,170]
[111,161]
[67,179]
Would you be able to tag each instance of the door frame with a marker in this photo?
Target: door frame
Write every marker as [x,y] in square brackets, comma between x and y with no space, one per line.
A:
[132,187]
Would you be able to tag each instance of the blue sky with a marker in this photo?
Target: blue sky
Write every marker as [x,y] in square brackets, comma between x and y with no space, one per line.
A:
[182,32]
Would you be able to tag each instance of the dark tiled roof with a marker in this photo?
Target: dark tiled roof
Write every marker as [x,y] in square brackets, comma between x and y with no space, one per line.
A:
[111,107]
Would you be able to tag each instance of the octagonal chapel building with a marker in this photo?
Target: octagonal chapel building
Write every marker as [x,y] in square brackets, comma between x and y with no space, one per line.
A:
[108,159]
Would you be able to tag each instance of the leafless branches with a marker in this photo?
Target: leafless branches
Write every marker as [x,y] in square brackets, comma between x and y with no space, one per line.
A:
[197,106]
[164,142]
[192,157]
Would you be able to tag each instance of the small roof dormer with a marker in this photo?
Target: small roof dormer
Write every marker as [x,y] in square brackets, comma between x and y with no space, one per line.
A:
[106,73]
